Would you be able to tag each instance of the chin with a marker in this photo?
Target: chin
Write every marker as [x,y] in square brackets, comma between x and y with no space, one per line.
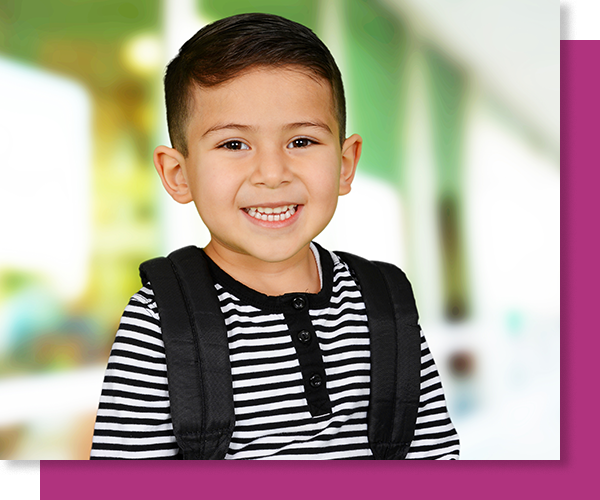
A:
[274,253]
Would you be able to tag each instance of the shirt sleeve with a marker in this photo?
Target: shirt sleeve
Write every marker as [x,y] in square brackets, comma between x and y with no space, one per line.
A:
[134,419]
[435,436]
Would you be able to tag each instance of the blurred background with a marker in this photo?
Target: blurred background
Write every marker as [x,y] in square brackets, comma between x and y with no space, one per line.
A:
[458,105]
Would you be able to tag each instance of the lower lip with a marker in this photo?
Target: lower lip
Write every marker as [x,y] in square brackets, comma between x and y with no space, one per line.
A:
[276,224]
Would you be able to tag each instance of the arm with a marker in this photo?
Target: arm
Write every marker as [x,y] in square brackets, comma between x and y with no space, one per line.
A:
[435,436]
[134,420]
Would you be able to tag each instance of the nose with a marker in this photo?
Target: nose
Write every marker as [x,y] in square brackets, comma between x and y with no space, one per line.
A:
[271,168]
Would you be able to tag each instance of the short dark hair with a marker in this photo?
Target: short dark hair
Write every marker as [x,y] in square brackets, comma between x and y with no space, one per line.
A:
[226,48]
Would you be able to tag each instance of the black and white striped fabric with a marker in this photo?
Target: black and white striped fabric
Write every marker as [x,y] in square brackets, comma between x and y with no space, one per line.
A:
[273,418]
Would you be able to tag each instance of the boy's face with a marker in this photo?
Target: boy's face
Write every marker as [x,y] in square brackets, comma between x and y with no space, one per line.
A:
[265,166]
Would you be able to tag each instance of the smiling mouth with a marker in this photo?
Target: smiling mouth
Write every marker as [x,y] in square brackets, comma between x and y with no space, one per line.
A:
[283,212]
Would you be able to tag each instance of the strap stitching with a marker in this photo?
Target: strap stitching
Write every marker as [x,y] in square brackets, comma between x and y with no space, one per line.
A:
[195,339]
[361,262]
[396,338]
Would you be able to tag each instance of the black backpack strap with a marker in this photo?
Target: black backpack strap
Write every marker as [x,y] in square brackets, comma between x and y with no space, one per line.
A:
[197,351]
[395,355]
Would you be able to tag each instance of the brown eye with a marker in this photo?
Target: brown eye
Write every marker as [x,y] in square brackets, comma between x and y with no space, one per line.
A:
[235,145]
[302,142]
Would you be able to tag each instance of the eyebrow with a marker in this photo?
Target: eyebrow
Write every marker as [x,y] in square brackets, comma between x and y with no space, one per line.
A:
[316,124]
[289,126]
[223,126]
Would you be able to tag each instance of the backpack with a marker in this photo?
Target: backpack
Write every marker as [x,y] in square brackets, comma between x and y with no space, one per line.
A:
[199,371]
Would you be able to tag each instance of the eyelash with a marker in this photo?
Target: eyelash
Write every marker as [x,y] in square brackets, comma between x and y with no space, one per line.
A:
[307,141]
[239,145]
[228,145]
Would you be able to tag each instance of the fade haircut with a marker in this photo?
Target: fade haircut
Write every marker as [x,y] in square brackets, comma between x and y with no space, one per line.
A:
[229,47]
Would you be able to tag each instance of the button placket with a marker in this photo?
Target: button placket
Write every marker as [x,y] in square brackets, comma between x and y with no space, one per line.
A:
[309,354]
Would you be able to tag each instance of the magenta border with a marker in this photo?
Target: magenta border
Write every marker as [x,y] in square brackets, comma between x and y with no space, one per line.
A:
[580,247]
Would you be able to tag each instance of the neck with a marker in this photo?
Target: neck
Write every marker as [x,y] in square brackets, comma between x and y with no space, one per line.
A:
[296,274]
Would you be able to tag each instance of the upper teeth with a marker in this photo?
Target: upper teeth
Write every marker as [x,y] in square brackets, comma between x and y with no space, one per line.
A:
[272,214]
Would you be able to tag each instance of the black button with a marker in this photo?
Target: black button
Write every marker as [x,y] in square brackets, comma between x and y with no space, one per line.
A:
[304,336]
[299,303]
[315,380]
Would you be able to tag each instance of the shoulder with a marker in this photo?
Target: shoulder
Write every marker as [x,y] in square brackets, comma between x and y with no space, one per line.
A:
[143,303]
[351,259]
[367,270]
[371,273]
[384,286]
[140,325]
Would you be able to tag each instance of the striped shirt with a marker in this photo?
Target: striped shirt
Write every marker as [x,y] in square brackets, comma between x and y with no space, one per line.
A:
[277,415]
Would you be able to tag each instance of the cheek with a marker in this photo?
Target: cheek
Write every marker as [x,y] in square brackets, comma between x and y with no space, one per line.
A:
[326,193]
[216,194]
[326,181]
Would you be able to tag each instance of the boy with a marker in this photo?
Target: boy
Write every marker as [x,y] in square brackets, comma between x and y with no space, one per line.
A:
[256,115]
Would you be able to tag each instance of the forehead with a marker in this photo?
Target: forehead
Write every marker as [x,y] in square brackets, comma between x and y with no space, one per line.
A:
[265,97]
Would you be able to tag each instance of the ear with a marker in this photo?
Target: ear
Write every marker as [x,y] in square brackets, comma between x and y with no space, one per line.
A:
[170,165]
[351,150]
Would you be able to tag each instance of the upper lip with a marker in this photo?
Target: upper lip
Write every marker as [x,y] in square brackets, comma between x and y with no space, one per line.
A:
[272,205]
